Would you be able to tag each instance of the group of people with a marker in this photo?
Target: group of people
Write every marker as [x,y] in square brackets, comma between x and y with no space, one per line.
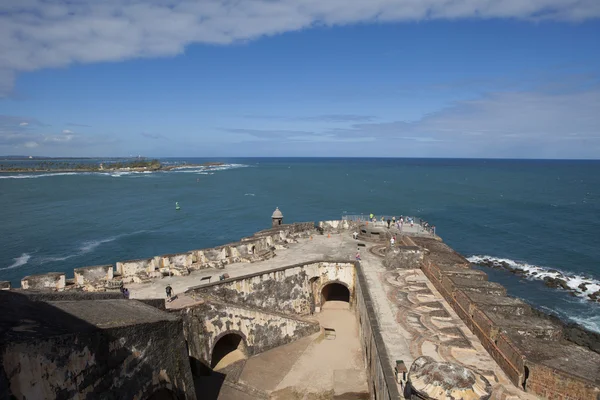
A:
[125,292]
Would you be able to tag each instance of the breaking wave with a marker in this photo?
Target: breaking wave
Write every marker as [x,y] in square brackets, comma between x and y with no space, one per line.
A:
[207,169]
[88,246]
[579,285]
[22,260]
[41,175]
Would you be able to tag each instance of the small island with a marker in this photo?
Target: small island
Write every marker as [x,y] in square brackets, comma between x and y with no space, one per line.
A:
[89,165]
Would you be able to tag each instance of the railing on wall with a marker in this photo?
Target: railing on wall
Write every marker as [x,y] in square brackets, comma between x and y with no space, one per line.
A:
[366,217]
[423,227]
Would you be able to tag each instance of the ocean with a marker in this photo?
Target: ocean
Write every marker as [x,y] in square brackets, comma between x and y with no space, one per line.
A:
[537,215]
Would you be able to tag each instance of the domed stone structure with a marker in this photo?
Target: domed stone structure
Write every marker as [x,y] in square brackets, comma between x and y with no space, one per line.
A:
[277,217]
[432,380]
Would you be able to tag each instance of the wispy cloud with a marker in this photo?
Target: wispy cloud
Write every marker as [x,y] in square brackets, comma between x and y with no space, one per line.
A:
[317,118]
[78,125]
[24,132]
[543,123]
[152,135]
[38,34]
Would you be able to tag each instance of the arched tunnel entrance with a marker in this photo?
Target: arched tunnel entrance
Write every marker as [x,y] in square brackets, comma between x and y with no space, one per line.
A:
[227,350]
[163,394]
[335,292]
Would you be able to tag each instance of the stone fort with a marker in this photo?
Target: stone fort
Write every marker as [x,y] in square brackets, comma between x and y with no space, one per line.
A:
[332,310]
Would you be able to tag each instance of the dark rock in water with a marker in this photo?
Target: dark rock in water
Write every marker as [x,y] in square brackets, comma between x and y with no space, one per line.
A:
[556,283]
[534,273]
[555,271]
[594,296]
[429,379]
[583,287]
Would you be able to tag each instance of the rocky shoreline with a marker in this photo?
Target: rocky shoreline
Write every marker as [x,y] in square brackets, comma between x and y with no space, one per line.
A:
[108,169]
[587,288]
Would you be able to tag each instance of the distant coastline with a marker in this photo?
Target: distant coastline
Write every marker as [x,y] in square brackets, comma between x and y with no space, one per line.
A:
[46,165]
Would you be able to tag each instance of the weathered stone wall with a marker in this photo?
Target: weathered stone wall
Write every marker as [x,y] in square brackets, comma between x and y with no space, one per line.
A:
[93,276]
[292,290]
[90,349]
[50,280]
[531,348]
[258,247]
[205,324]
[379,367]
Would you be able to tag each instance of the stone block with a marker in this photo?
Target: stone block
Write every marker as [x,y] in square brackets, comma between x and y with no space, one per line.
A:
[483,287]
[454,271]
[498,304]
[93,275]
[540,328]
[4,285]
[48,281]
[134,267]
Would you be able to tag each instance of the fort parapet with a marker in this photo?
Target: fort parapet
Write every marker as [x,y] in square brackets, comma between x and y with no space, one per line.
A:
[413,299]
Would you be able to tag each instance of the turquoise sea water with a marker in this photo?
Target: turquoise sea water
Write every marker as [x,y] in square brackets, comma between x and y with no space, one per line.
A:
[542,213]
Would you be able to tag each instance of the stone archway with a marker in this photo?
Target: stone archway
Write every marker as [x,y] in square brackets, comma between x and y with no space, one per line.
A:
[163,394]
[228,348]
[335,291]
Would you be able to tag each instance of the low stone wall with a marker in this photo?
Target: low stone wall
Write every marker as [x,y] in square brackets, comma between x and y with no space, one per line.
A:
[50,280]
[92,276]
[382,381]
[205,324]
[4,285]
[292,290]
[531,348]
[258,247]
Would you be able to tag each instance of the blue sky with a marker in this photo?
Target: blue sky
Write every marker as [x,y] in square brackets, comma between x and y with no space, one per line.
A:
[390,78]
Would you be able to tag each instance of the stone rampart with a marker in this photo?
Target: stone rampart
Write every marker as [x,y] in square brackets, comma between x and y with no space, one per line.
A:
[379,366]
[532,349]
[258,247]
[292,290]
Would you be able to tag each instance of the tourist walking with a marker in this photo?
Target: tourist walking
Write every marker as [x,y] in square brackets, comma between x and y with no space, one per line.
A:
[126,293]
[358,255]
[169,291]
[388,222]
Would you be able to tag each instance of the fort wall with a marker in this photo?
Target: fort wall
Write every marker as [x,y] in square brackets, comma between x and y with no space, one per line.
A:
[66,349]
[258,247]
[379,367]
[291,290]
[531,348]
[206,323]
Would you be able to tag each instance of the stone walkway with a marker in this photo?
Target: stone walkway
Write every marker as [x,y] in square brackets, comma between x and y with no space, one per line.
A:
[314,366]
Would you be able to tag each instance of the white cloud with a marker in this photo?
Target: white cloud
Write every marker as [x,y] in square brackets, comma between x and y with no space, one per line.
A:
[38,34]
[66,131]
[30,144]
[506,124]
[24,124]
